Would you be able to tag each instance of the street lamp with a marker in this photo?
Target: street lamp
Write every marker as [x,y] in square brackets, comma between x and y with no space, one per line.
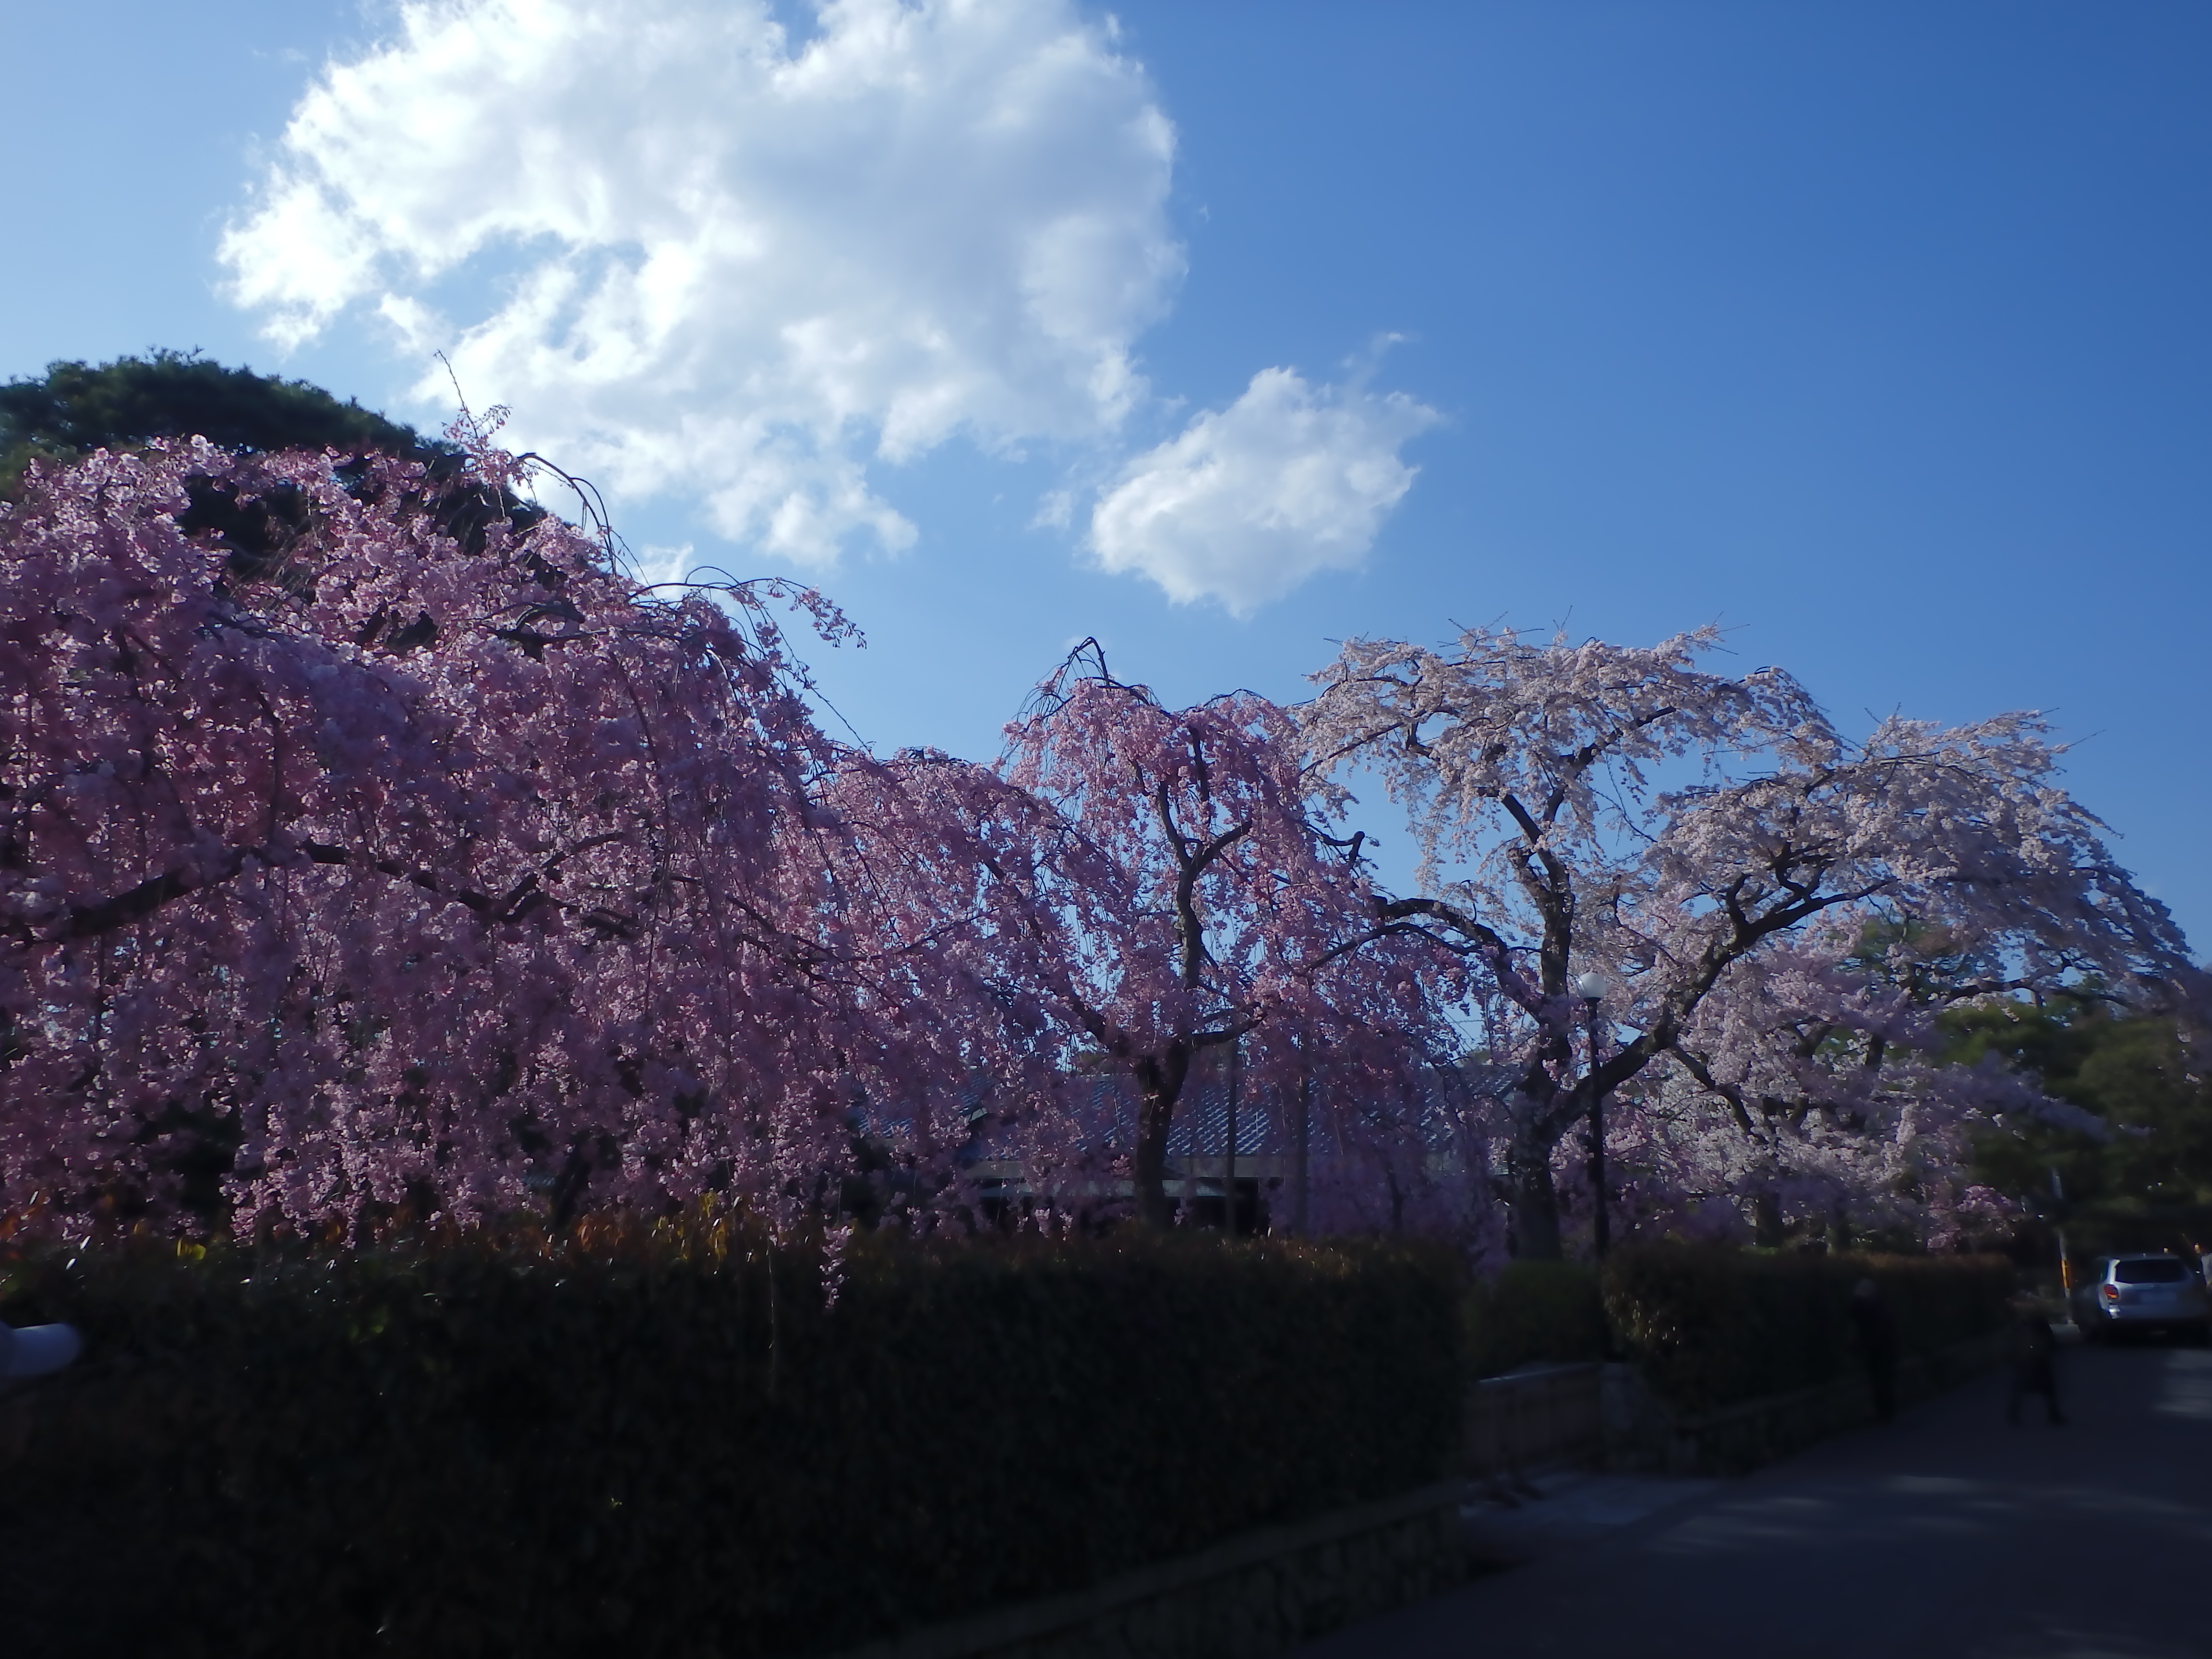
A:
[1592,987]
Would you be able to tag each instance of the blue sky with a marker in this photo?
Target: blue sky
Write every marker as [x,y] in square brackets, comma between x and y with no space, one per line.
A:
[1875,333]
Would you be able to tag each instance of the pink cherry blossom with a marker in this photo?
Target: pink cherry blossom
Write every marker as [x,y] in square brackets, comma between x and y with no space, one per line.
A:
[1699,840]
[417,859]
[1141,889]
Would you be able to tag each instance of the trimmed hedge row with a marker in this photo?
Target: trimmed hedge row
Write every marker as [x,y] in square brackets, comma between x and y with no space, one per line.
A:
[1710,1325]
[468,1450]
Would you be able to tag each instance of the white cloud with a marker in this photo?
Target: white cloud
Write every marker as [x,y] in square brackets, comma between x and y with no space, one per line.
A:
[1251,499]
[726,264]
[698,255]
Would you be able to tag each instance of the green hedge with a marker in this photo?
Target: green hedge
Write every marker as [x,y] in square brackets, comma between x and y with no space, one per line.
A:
[1710,1325]
[1535,1312]
[472,1451]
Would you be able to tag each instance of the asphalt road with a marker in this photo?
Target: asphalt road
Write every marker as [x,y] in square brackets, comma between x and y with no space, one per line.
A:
[1945,1534]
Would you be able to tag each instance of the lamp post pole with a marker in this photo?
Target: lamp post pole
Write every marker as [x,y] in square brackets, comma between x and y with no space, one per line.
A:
[2065,1262]
[1305,1127]
[1592,987]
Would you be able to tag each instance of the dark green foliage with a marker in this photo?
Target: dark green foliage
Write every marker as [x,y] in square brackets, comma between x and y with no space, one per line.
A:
[77,407]
[471,1451]
[1709,1327]
[2149,1186]
[1535,1312]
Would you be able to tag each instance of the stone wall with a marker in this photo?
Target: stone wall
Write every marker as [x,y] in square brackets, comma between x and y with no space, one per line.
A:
[1544,1417]
[1642,1434]
[1252,1595]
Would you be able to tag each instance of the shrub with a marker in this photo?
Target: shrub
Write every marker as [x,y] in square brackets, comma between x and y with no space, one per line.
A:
[1711,1326]
[1533,1312]
[476,1451]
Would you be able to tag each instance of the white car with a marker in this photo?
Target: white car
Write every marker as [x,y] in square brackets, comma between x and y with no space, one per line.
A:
[2143,1292]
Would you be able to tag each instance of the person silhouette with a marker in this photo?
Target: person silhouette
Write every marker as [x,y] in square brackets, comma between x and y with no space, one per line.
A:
[2034,1354]
[1877,1334]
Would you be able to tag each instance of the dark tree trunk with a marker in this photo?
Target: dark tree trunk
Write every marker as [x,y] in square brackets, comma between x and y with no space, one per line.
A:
[1150,1167]
[1535,1203]
[1768,1230]
[1160,1087]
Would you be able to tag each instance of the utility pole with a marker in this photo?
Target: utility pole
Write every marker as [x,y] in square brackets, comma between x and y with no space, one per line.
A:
[1305,1128]
[1229,1139]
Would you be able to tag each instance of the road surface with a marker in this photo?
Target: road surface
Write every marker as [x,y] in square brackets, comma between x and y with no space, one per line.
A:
[1945,1534]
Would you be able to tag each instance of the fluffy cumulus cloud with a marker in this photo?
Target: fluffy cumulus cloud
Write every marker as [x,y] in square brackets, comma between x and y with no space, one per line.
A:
[1253,498]
[700,253]
[730,262]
